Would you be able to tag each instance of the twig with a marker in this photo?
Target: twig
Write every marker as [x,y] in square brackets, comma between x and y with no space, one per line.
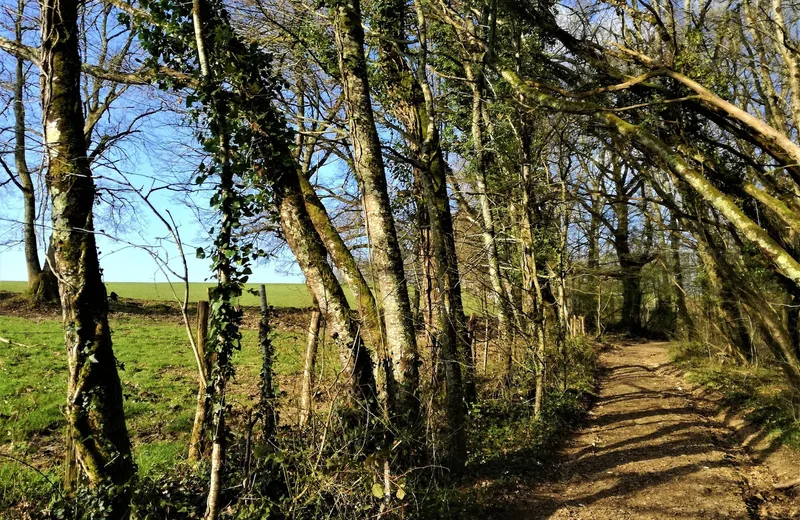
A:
[9,342]
[787,485]
[34,468]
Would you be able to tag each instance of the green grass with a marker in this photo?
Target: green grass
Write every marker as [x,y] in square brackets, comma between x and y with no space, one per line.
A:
[759,392]
[281,295]
[159,385]
[278,294]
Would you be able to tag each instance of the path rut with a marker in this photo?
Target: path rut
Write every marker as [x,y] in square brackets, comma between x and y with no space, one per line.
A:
[646,452]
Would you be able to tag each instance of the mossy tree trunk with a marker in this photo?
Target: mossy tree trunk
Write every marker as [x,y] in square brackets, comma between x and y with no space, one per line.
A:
[345,262]
[680,286]
[94,394]
[42,285]
[412,103]
[387,261]
[482,164]
[312,257]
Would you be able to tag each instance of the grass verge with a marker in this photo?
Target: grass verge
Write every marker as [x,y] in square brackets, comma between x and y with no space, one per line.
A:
[759,392]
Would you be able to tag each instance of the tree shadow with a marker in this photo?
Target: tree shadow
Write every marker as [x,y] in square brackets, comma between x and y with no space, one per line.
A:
[661,431]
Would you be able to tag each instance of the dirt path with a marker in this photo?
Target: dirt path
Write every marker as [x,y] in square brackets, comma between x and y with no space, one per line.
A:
[646,452]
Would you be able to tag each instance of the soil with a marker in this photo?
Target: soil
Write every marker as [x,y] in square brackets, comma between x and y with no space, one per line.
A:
[653,448]
[285,319]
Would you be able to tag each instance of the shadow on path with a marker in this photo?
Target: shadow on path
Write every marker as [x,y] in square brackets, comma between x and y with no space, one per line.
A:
[644,453]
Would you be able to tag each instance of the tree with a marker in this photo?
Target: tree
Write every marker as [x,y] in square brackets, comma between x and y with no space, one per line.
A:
[387,261]
[95,417]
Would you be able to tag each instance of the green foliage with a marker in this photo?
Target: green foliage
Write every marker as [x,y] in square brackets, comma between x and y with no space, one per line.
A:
[507,443]
[760,393]
[244,136]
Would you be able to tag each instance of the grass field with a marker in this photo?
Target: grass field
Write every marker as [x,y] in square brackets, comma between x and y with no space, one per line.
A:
[157,374]
[159,385]
[279,294]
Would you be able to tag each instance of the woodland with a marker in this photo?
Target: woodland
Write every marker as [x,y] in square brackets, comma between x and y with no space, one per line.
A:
[478,194]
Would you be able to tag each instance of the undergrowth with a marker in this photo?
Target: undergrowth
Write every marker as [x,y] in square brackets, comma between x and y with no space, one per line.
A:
[759,392]
[508,445]
[331,470]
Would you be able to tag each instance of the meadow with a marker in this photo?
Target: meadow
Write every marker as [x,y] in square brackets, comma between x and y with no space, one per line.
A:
[157,371]
[281,295]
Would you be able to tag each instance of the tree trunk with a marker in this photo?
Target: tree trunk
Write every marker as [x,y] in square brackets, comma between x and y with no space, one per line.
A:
[225,317]
[43,286]
[413,105]
[533,300]
[312,258]
[25,181]
[631,319]
[680,291]
[726,313]
[344,260]
[387,261]
[94,394]
[488,228]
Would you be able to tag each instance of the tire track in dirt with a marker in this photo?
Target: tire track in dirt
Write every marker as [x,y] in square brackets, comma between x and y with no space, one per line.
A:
[646,452]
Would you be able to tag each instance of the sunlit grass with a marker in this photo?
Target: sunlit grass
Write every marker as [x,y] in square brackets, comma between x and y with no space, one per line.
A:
[158,378]
[759,392]
[278,294]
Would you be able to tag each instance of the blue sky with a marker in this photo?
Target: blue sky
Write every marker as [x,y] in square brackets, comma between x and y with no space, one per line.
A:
[122,262]
[162,153]
[132,265]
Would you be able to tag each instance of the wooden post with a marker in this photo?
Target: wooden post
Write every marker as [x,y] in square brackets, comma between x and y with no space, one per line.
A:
[197,444]
[312,343]
[486,345]
[266,404]
[70,464]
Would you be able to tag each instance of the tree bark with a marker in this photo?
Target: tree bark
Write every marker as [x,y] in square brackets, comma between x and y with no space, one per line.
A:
[631,319]
[533,299]
[412,104]
[475,76]
[94,394]
[680,286]
[311,255]
[344,261]
[43,287]
[369,169]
